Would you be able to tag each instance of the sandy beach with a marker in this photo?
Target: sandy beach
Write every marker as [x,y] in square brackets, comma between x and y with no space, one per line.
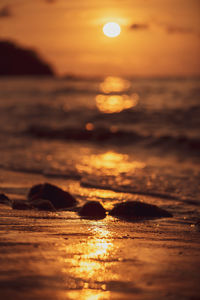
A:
[58,255]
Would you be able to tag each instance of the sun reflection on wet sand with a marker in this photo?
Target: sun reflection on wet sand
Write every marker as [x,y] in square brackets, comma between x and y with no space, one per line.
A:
[89,263]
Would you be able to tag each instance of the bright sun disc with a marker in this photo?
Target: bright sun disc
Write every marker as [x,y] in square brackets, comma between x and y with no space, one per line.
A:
[111,29]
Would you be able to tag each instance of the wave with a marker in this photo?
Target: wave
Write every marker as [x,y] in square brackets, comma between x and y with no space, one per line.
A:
[119,137]
[73,90]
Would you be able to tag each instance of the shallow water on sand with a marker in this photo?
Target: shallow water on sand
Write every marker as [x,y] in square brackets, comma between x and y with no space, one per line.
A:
[61,256]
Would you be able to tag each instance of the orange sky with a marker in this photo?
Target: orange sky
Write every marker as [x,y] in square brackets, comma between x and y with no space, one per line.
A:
[159,37]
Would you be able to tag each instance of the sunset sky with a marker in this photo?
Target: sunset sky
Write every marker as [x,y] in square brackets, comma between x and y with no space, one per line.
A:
[158,37]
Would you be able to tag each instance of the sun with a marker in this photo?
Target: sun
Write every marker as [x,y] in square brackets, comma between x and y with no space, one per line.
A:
[111,29]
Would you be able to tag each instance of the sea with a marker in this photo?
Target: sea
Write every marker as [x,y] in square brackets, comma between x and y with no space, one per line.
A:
[136,136]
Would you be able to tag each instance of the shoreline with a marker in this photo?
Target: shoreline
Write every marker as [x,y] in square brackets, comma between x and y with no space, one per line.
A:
[61,256]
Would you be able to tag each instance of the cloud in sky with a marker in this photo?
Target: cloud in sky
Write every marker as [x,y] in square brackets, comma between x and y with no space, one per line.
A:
[168,28]
[139,26]
[5,12]
[172,29]
[181,30]
[50,1]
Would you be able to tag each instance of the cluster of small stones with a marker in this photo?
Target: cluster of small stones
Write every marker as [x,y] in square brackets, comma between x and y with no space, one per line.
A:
[48,197]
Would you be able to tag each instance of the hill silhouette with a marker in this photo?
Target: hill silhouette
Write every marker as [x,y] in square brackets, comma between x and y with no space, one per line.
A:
[18,61]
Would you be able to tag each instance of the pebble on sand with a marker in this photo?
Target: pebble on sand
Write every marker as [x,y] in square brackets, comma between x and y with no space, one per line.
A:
[135,210]
[4,199]
[92,210]
[59,198]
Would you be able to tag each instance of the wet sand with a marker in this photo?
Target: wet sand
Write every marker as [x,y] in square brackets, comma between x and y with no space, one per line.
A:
[58,255]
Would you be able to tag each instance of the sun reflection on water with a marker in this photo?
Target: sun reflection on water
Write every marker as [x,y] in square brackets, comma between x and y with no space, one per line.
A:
[114,84]
[115,103]
[109,163]
[88,295]
[113,97]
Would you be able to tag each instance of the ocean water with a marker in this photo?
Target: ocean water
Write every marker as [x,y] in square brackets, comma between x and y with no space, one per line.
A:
[139,137]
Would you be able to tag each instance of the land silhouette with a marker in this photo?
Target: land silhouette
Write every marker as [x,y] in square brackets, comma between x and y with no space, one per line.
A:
[16,60]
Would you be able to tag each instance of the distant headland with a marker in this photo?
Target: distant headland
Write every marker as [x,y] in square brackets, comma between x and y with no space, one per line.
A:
[19,61]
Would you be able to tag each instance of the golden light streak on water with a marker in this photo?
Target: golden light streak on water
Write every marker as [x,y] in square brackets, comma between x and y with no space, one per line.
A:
[88,295]
[114,84]
[115,103]
[109,163]
[113,97]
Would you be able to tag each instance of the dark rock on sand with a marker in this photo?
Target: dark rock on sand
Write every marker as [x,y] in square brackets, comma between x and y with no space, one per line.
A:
[59,198]
[135,210]
[92,210]
[42,204]
[4,199]
[20,204]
